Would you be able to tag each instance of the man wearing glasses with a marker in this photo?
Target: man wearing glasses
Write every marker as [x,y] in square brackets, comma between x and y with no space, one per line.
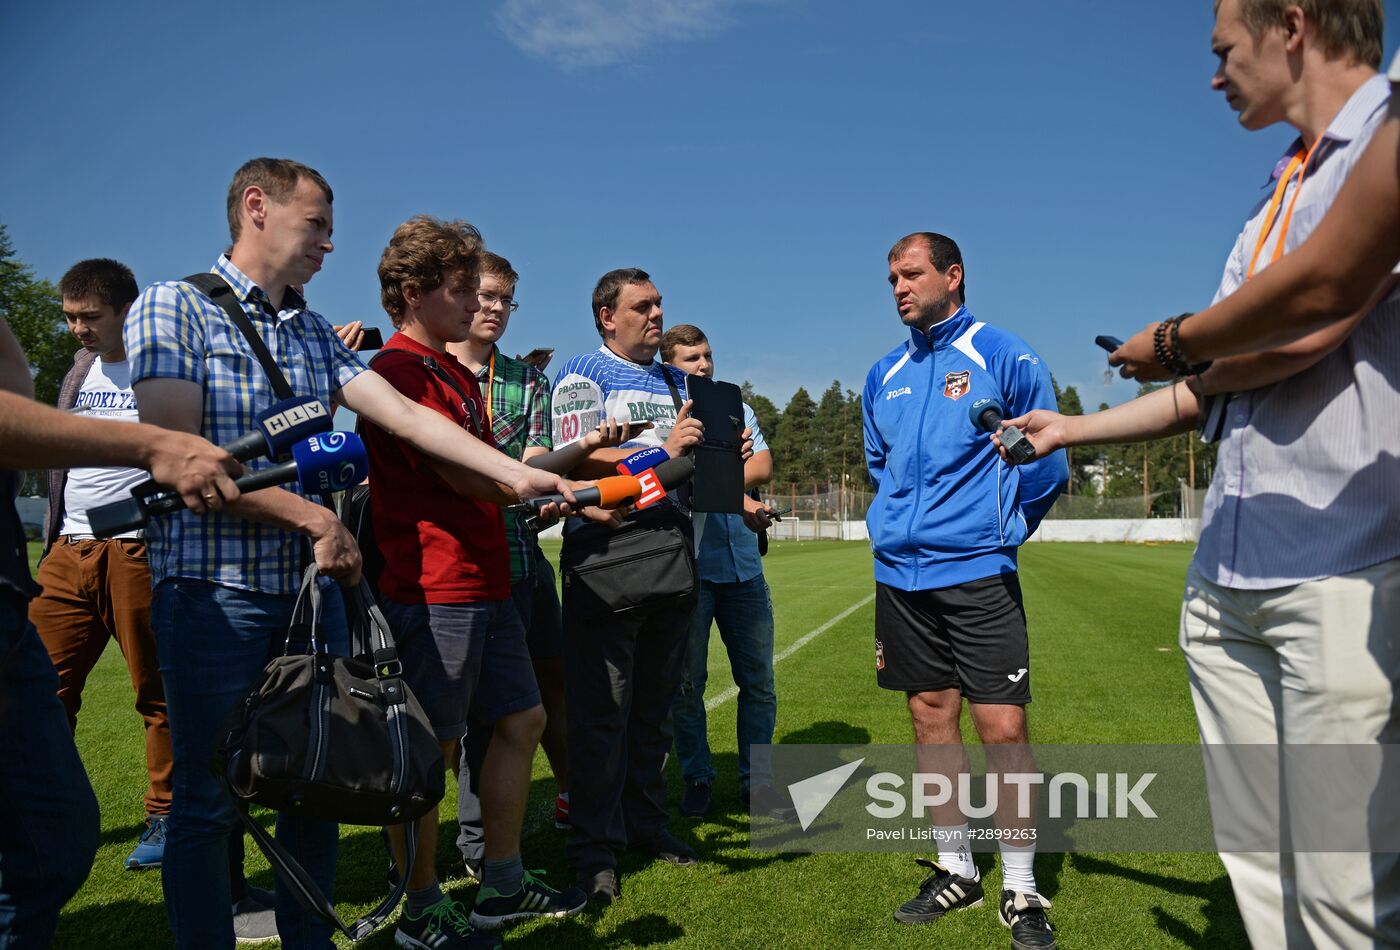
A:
[517,406]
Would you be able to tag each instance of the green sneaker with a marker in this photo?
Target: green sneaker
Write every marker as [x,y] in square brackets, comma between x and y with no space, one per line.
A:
[443,926]
[534,898]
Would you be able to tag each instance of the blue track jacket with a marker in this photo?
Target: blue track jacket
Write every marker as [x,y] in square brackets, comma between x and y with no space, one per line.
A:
[947,509]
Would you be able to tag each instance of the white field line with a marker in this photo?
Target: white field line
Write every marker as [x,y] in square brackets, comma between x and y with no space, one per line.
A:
[721,698]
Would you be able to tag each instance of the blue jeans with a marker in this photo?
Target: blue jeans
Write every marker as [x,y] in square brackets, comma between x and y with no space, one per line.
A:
[744,614]
[49,831]
[213,643]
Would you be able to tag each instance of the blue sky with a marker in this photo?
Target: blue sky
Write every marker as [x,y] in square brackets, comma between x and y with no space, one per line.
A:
[758,157]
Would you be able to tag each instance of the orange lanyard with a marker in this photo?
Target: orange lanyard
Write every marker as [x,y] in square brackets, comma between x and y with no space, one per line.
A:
[491,381]
[1297,164]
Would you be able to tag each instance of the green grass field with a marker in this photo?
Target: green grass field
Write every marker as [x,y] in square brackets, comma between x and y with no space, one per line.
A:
[1107,670]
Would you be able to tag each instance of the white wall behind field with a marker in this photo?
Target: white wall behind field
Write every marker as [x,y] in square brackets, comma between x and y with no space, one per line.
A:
[1102,530]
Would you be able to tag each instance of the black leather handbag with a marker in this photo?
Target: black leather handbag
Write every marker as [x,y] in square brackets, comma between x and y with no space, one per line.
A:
[332,738]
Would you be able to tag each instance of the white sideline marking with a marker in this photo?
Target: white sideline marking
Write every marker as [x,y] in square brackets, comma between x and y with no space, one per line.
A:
[719,700]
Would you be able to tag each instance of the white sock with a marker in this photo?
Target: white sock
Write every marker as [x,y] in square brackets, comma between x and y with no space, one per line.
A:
[954,853]
[1018,869]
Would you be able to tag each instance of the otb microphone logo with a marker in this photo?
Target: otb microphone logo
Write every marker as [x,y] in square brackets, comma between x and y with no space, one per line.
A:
[330,442]
[336,474]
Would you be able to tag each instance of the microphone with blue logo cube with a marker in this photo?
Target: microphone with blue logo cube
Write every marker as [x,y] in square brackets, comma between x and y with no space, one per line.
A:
[986,414]
[329,462]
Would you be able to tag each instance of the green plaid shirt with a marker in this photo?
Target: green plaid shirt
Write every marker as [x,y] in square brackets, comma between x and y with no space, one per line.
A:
[517,397]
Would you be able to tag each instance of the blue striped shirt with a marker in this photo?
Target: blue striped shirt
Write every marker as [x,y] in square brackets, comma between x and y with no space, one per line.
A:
[1307,482]
[175,332]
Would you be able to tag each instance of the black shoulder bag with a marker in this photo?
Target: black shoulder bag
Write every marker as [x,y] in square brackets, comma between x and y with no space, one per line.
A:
[332,738]
[650,558]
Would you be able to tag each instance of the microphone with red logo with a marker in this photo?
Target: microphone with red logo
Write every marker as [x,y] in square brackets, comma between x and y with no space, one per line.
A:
[645,488]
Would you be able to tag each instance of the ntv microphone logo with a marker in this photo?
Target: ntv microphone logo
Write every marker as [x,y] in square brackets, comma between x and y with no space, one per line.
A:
[295,416]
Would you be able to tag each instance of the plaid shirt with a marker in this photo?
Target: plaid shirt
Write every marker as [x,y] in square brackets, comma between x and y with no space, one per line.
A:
[517,395]
[175,332]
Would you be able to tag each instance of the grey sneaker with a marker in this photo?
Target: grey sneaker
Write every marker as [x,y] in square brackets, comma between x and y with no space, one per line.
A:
[602,886]
[253,918]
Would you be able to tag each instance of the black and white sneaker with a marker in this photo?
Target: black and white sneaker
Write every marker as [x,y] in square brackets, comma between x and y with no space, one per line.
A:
[1025,915]
[941,892]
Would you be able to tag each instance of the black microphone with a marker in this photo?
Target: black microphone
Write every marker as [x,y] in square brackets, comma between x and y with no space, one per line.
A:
[614,491]
[279,427]
[322,463]
[986,414]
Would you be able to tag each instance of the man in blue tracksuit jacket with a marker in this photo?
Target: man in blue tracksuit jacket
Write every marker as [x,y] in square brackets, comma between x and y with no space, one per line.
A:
[947,519]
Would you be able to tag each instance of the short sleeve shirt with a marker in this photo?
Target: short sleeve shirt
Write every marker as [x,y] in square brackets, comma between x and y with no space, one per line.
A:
[439,547]
[176,332]
[602,384]
[517,402]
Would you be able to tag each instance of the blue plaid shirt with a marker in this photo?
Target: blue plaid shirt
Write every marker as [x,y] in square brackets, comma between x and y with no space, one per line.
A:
[175,332]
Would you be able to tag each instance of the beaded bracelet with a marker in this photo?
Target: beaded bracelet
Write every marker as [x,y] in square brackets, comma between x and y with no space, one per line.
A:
[1166,347]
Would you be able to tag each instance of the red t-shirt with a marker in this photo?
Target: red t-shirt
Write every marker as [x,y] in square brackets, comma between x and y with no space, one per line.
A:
[439,547]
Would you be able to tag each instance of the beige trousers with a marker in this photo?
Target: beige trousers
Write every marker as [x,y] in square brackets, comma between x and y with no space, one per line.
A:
[1313,664]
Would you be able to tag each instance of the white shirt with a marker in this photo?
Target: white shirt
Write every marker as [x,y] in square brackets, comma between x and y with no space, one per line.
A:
[105,394]
[1307,478]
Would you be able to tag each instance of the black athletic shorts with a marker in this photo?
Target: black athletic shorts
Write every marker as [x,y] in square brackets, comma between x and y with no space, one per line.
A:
[971,638]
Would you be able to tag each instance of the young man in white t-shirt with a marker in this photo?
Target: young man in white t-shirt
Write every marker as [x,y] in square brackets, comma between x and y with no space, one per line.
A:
[97,590]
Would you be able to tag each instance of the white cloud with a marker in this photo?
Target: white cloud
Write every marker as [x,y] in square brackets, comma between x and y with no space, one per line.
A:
[580,33]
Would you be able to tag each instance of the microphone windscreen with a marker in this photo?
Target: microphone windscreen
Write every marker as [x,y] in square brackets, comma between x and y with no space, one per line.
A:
[617,490]
[674,472]
[978,413]
[639,462]
[289,421]
[331,462]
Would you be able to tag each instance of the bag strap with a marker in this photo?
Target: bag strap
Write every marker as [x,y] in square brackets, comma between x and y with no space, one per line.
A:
[468,407]
[217,289]
[305,889]
[305,626]
[682,491]
[671,385]
[220,291]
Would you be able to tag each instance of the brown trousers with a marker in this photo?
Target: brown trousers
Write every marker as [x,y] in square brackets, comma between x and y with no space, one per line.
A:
[95,591]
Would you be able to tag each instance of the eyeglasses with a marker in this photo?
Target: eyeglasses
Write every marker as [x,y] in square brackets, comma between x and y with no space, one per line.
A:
[488,300]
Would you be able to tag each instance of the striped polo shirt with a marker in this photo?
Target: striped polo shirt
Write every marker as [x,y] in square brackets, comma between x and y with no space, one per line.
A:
[1307,478]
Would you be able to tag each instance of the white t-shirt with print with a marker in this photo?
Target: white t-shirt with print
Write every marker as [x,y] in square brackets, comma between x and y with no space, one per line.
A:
[105,394]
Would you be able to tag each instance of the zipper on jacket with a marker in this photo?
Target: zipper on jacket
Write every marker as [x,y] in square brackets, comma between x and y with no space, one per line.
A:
[919,457]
